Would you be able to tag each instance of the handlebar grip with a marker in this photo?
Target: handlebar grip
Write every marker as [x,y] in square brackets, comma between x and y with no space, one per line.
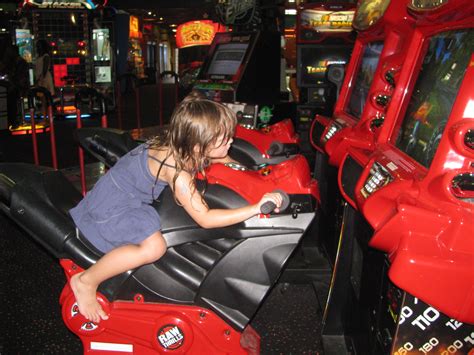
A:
[269,206]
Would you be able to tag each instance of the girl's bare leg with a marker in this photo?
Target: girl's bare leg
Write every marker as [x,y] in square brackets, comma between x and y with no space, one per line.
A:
[126,257]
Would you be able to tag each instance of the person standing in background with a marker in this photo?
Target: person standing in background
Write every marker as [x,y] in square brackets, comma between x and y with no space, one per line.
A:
[43,77]
[14,70]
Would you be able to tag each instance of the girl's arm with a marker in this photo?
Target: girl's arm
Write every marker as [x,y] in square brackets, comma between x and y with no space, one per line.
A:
[213,218]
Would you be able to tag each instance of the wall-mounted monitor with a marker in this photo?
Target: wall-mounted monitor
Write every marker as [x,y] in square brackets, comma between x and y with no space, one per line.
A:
[447,57]
[363,78]
[313,61]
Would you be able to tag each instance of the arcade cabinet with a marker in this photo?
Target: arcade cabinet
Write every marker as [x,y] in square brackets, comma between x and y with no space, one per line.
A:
[79,36]
[193,39]
[243,69]
[384,29]
[403,279]
[324,38]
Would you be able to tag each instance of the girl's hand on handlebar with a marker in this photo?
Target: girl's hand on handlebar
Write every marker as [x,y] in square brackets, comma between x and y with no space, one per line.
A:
[273,197]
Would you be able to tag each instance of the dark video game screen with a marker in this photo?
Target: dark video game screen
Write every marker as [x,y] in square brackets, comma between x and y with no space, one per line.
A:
[314,60]
[363,79]
[435,91]
[227,59]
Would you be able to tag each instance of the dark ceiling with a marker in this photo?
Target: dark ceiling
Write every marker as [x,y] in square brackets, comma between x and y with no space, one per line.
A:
[172,11]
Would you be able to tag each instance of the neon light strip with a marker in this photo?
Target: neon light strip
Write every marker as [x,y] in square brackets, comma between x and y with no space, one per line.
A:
[86,115]
[125,348]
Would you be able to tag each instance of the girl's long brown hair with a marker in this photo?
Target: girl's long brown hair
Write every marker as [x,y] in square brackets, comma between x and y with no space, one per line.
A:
[195,123]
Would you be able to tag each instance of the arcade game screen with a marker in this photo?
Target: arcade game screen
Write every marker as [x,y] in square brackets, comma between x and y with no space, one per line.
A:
[227,59]
[24,41]
[363,79]
[435,91]
[313,61]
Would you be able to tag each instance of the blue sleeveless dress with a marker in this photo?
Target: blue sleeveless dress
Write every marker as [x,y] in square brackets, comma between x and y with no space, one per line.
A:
[118,209]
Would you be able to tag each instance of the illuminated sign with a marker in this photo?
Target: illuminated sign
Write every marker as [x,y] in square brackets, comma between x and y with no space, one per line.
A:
[321,66]
[134,28]
[65,4]
[196,33]
[327,21]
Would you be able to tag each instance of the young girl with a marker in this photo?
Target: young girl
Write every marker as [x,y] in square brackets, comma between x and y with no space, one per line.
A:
[116,216]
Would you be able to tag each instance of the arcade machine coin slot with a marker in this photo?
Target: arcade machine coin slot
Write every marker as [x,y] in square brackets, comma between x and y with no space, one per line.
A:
[407,193]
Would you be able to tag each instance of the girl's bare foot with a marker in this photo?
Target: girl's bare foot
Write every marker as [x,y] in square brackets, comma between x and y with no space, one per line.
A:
[86,299]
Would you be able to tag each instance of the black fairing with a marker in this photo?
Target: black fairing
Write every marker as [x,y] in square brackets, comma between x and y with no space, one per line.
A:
[228,270]
[108,145]
[105,144]
[247,154]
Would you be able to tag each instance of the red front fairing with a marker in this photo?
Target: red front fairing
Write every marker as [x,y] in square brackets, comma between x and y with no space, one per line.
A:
[421,217]
[148,328]
[360,129]
[283,132]
[293,176]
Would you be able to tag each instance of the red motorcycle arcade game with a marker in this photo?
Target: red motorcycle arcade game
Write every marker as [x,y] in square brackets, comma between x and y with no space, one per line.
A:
[404,280]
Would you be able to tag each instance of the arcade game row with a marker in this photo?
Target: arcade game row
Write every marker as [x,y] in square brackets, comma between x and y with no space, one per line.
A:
[403,275]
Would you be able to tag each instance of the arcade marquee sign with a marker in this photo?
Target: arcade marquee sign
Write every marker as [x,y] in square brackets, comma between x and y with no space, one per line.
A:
[65,4]
[197,33]
[327,21]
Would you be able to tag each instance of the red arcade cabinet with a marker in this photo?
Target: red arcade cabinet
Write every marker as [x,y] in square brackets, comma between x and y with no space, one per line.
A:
[404,279]
[384,29]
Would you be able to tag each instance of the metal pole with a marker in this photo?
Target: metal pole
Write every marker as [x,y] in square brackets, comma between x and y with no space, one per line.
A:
[82,167]
[52,137]
[119,105]
[33,136]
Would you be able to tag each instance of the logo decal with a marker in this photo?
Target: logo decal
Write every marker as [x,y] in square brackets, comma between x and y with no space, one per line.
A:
[89,327]
[74,310]
[170,337]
